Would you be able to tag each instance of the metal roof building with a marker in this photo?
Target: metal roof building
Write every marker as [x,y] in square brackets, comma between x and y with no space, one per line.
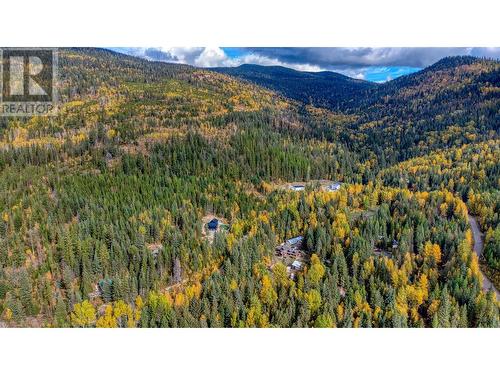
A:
[295,240]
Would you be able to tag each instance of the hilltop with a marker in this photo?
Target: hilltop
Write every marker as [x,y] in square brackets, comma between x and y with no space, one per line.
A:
[324,89]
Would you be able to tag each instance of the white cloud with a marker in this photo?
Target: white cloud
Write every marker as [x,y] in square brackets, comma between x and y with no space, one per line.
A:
[210,57]
[206,57]
[184,55]
[215,57]
[360,63]
[331,58]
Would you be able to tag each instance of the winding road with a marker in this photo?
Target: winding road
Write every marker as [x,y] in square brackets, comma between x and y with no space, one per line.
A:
[478,249]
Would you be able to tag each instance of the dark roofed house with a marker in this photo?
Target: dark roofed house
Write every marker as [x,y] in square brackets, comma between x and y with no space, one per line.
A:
[213,224]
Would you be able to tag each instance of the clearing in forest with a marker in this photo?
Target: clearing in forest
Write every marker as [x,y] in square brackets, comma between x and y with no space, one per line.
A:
[212,224]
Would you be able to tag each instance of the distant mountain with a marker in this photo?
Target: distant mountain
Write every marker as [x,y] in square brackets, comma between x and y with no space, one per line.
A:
[324,89]
[341,93]
[450,102]
[449,84]
[440,76]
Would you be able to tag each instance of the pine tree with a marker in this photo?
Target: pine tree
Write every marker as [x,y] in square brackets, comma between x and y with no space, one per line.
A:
[444,309]
[61,314]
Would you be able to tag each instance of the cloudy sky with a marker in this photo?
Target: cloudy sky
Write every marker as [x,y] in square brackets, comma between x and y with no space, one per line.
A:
[374,64]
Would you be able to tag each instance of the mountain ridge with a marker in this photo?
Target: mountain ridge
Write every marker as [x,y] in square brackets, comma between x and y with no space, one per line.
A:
[333,90]
[325,89]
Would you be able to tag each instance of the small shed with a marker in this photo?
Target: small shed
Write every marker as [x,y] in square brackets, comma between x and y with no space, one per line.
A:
[213,224]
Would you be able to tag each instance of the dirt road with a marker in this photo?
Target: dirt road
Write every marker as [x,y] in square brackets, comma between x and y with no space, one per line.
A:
[478,249]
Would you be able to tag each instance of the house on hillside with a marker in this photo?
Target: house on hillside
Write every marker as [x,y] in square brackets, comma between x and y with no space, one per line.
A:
[297,187]
[291,247]
[213,224]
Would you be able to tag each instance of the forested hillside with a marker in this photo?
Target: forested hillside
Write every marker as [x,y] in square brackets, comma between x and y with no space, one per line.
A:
[324,89]
[450,103]
[104,208]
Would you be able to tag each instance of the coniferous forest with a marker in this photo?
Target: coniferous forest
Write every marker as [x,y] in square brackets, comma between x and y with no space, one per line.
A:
[106,207]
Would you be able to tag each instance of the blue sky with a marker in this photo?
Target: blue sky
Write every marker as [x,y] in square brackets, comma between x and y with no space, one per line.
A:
[387,73]
[373,64]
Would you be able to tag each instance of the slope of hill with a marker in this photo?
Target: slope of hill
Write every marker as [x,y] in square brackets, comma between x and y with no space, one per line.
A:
[102,208]
[470,171]
[132,99]
[454,102]
[459,77]
[324,89]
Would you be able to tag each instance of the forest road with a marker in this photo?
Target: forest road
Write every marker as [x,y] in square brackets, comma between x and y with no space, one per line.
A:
[478,249]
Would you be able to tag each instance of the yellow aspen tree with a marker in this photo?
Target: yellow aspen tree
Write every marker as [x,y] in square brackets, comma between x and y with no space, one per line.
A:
[313,298]
[316,271]
[138,308]
[83,314]
[107,320]
[268,295]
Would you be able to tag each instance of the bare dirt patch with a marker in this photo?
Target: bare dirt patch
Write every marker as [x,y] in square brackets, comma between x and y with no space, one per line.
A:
[210,234]
[314,184]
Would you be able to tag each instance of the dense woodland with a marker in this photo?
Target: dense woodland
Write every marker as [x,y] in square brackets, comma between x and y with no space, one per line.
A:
[102,206]
[322,89]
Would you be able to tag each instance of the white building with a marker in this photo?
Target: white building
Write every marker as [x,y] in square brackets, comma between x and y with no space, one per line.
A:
[297,187]
[334,187]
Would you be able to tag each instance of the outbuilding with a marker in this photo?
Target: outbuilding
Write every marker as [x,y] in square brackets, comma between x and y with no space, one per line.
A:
[334,186]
